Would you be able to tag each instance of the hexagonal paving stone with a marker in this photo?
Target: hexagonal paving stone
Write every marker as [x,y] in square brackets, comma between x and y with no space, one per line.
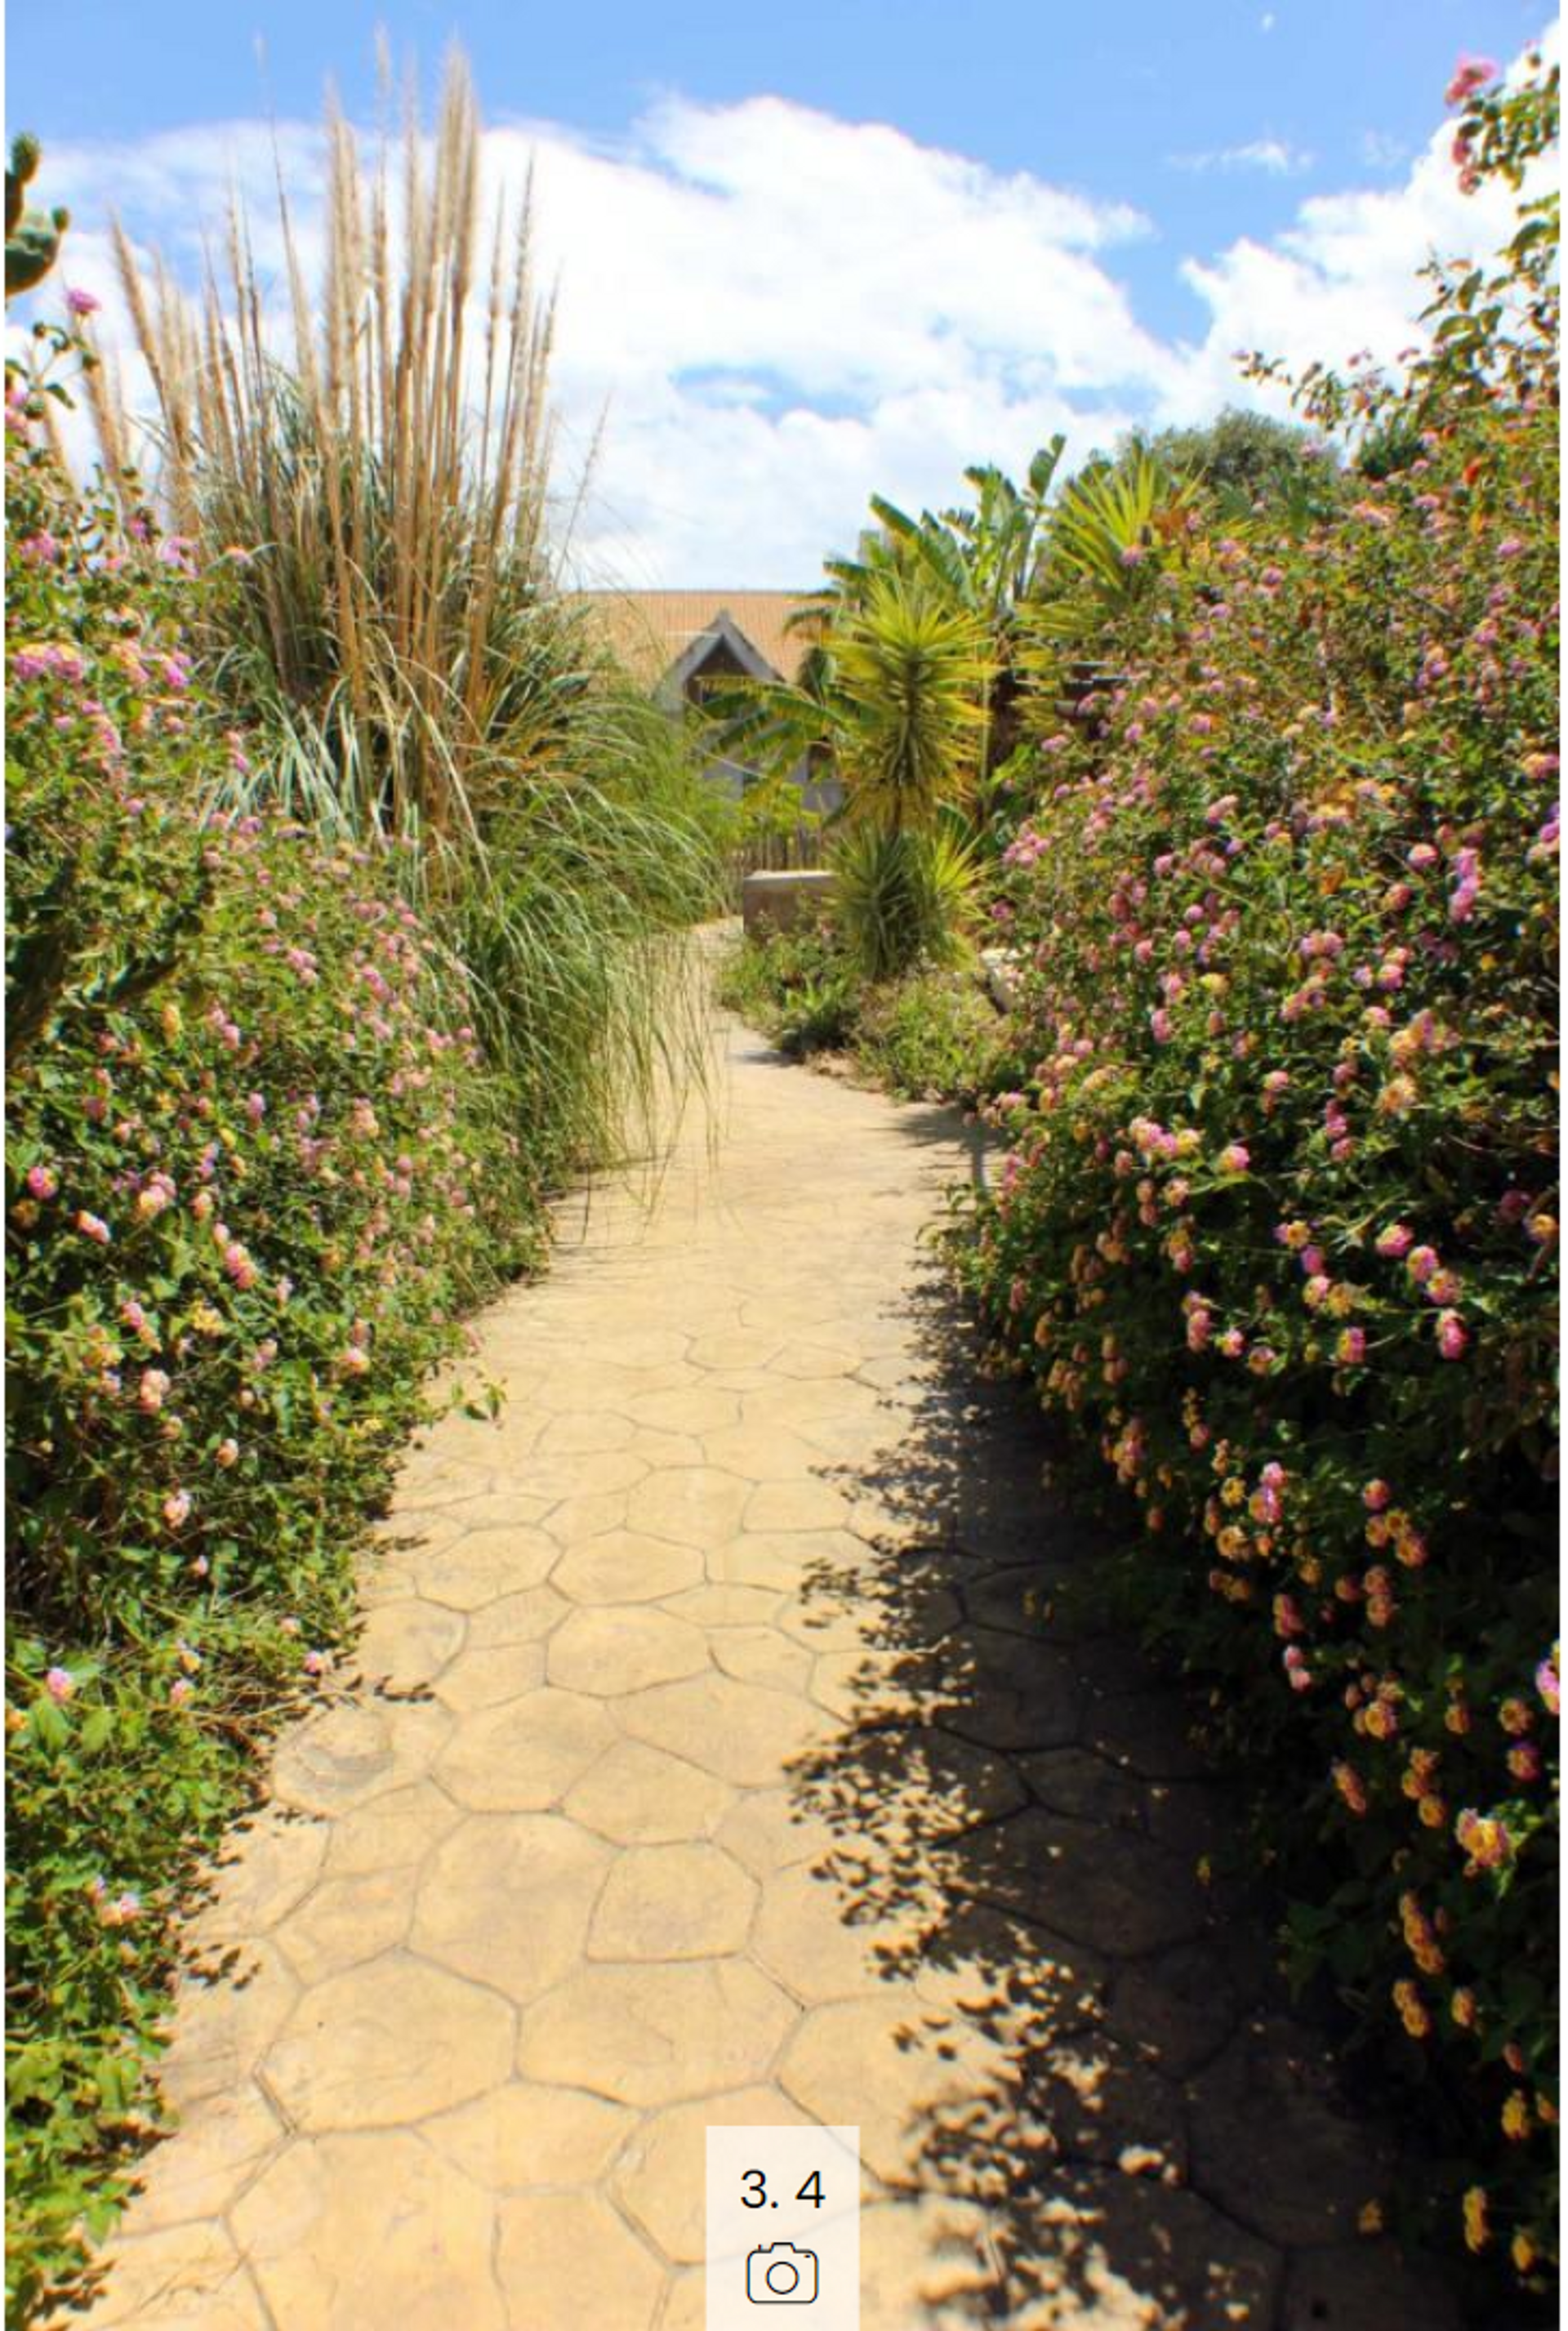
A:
[699,1411]
[397,1535]
[735,1347]
[910,1789]
[920,2251]
[638,1796]
[521,2134]
[566,2259]
[1148,2252]
[773,1828]
[347,2231]
[270,1861]
[606,1651]
[741,1732]
[761,1655]
[181,2279]
[809,1361]
[661,1449]
[479,1679]
[890,2064]
[661,2176]
[348,1753]
[222,2025]
[805,1935]
[623,1567]
[1020,1599]
[697,1506]
[431,1477]
[1272,2144]
[1340,2288]
[524,1618]
[406,1644]
[863,1687]
[1102,2104]
[649,2035]
[831,1619]
[645,1347]
[585,1432]
[1007,1693]
[989,1968]
[487,1564]
[507,1506]
[788,1561]
[392,2042]
[680,1901]
[800,1505]
[759,1452]
[611,1473]
[1178,2010]
[574,1521]
[506,1900]
[345,1920]
[524,1756]
[1115,1890]
[1086,1787]
[727,1606]
[196,2172]
[390,1832]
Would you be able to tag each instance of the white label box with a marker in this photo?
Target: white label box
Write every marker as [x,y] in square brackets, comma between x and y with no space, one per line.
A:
[784,2228]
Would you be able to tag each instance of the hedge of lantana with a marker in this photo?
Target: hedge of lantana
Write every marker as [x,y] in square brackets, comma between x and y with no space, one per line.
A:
[1277,1232]
[255,1171]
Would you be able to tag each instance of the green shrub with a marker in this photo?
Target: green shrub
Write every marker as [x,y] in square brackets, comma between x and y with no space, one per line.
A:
[1279,1230]
[256,1170]
[938,1037]
[797,987]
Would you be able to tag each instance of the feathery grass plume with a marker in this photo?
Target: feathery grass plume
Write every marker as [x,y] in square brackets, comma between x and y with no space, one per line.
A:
[383,451]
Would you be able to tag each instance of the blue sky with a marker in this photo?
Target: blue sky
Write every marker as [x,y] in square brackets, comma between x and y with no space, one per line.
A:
[1150,177]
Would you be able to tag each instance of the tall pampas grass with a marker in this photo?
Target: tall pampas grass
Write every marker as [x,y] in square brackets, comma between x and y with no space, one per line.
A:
[380,454]
[385,452]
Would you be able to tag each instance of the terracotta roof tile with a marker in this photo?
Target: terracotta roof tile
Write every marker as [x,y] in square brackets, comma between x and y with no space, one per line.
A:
[648,631]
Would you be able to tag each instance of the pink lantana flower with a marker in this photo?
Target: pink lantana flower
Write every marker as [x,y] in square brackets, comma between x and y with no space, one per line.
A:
[1471,74]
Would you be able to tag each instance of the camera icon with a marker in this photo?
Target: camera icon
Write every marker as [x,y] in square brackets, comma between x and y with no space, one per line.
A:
[781,2275]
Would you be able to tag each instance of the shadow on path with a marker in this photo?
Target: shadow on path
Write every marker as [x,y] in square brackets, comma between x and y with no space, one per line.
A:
[1099,2073]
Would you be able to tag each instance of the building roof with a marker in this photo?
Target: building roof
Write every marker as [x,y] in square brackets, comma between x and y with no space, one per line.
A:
[648,631]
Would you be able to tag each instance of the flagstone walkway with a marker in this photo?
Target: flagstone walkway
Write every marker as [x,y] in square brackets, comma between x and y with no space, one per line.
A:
[725,1742]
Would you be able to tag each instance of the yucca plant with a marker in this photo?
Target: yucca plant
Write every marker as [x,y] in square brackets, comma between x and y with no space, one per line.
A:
[903,896]
[910,677]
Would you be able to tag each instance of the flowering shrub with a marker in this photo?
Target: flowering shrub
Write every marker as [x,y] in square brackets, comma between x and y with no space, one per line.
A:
[1278,1231]
[255,1171]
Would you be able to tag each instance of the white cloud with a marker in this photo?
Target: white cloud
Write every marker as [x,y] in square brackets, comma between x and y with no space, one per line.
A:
[778,312]
[1382,151]
[1272,155]
[1342,279]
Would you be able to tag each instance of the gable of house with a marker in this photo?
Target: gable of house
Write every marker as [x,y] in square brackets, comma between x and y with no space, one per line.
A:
[668,640]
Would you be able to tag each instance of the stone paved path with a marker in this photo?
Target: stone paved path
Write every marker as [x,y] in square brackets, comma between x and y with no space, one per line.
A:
[722,1745]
